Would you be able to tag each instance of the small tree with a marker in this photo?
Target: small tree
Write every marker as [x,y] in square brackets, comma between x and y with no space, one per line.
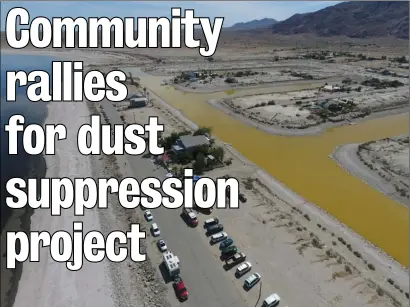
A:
[203,131]
[218,153]
[199,165]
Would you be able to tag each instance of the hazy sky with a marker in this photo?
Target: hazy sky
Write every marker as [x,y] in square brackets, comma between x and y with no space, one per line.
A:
[233,11]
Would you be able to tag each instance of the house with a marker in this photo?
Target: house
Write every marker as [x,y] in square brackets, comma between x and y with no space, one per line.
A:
[138,102]
[188,143]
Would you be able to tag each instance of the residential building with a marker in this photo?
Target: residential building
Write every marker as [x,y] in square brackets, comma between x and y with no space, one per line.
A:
[188,143]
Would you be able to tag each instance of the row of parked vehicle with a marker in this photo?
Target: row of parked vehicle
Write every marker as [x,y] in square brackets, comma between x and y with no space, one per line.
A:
[171,262]
[232,257]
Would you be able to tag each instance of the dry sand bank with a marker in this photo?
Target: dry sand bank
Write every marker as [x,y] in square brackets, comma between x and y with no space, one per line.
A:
[276,130]
[383,164]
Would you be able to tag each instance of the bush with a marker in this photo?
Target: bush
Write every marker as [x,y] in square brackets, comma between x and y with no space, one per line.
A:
[341,240]
[271,103]
[218,153]
[231,80]
[203,131]
[357,254]
[307,217]
[390,281]
[371,267]
[348,269]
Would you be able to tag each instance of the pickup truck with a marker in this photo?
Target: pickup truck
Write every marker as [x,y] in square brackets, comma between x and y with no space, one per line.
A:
[190,217]
[237,258]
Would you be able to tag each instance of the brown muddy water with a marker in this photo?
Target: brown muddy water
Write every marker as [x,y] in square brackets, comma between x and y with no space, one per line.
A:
[304,165]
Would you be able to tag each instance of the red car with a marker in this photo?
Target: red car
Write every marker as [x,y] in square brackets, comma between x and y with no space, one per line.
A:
[180,289]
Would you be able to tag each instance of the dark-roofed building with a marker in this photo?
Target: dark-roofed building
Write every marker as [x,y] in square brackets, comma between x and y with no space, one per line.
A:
[187,143]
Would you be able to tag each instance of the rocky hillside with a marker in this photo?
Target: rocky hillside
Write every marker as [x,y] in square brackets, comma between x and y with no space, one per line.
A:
[352,19]
[254,24]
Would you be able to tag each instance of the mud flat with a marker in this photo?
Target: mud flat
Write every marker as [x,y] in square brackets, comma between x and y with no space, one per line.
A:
[383,164]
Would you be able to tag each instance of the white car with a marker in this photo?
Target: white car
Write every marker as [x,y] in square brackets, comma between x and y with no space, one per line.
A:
[271,301]
[155,230]
[252,280]
[162,246]
[148,216]
[218,237]
[243,269]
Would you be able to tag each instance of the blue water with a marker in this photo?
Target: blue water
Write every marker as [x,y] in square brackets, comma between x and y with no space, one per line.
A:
[17,165]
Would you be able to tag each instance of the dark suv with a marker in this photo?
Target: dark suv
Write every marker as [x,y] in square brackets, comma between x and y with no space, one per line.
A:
[214,229]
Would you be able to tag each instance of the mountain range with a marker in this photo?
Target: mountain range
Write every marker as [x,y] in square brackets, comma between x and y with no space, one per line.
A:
[351,19]
[254,24]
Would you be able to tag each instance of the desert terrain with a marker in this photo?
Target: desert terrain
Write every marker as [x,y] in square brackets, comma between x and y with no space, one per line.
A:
[303,253]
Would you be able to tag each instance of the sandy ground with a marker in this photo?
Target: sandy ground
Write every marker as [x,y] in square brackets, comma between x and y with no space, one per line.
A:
[301,237]
[44,288]
[383,164]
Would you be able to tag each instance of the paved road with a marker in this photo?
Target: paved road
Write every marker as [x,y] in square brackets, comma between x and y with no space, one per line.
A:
[207,282]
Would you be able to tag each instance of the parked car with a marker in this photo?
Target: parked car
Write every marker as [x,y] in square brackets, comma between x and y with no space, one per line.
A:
[148,216]
[252,281]
[227,242]
[214,229]
[155,230]
[162,246]
[180,289]
[229,252]
[210,222]
[190,217]
[229,249]
[218,237]
[243,269]
[235,259]
[272,300]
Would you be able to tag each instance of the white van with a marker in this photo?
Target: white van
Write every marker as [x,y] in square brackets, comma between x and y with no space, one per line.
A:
[271,301]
